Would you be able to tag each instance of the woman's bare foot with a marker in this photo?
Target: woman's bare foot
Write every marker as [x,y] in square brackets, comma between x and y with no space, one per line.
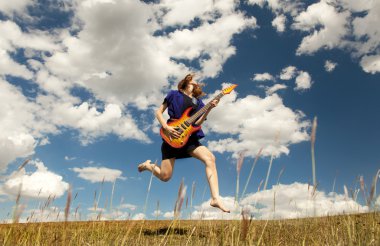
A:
[216,203]
[143,166]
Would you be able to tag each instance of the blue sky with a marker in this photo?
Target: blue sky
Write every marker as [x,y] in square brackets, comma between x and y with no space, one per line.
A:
[80,80]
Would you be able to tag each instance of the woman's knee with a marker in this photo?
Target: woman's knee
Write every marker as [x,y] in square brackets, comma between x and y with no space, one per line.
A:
[165,177]
[210,159]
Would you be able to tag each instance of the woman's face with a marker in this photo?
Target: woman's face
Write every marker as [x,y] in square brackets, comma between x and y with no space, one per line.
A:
[191,85]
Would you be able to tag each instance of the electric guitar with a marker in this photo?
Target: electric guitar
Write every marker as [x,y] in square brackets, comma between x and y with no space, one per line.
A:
[184,125]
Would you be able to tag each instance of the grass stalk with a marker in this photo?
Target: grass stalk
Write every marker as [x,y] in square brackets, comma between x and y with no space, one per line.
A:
[313,138]
[268,172]
[250,173]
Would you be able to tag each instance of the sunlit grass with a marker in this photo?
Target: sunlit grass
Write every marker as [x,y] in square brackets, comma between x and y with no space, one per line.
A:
[363,229]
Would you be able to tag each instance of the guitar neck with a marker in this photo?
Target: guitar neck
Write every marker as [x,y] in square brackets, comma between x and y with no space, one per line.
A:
[203,110]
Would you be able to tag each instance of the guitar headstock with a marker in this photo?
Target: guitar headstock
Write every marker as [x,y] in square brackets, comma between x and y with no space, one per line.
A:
[229,89]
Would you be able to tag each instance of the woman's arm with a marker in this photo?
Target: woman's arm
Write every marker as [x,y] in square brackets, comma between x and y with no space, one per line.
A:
[159,115]
[162,121]
[204,116]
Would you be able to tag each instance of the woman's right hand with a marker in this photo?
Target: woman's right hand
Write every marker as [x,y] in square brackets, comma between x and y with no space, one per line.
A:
[172,131]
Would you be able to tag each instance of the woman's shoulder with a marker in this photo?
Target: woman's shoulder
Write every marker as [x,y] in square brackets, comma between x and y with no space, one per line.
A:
[174,93]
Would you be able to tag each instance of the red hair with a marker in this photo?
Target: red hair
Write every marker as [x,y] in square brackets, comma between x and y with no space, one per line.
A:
[197,91]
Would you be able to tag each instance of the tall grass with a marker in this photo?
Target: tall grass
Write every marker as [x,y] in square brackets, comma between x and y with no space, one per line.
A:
[363,229]
[250,173]
[239,164]
[312,141]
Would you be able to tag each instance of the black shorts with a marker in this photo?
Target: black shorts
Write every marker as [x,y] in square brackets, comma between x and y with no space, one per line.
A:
[169,152]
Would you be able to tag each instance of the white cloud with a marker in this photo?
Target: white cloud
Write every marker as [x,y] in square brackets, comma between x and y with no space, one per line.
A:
[275,88]
[18,124]
[33,39]
[40,184]
[68,158]
[212,40]
[169,215]
[48,214]
[279,23]
[260,120]
[139,216]
[262,77]
[127,206]
[118,71]
[326,25]
[371,63]
[98,174]
[278,6]
[205,211]
[90,122]
[103,215]
[291,201]
[330,66]
[10,67]
[288,73]
[367,30]
[8,7]
[181,12]
[296,201]
[157,213]
[144,58]
[303,81]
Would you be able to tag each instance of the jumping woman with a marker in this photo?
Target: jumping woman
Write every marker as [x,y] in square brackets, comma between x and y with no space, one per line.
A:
[177,101]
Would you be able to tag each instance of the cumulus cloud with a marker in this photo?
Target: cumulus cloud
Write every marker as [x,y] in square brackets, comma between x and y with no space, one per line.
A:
[366,30]
[279,7]
[326,25]
[260,120]
[90,122]
[19,127]
[262,77]
[9,7]
[25,123]
[295,200]
[127,206]
[371,63]
[169,215]
[39,184]
[139,216]
[274,88]
[97,54]
[279,23]
[103,215]
[157,213]
[68,158]
[303,81]
[145,62]
[329,24]
[98,174]
[330,66]
[288,73]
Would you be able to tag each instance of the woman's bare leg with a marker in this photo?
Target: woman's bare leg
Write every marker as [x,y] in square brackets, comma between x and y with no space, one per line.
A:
[163,172]
[204,155]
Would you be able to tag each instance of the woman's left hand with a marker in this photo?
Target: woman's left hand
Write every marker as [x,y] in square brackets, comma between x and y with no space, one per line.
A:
[214,103]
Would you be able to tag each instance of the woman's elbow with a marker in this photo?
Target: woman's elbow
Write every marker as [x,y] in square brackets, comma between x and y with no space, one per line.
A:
[158,113]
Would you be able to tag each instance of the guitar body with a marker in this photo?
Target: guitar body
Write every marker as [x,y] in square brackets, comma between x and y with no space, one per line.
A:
[183,127]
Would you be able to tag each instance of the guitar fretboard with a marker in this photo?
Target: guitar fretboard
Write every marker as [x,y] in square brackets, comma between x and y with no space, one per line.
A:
[203,110]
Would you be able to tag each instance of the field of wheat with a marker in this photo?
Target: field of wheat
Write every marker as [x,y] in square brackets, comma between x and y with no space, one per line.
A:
[360,229]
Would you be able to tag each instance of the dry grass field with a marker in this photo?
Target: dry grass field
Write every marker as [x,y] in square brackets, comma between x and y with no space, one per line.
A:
[361,229]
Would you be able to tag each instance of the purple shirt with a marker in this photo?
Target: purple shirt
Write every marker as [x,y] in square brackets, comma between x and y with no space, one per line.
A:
[175,102]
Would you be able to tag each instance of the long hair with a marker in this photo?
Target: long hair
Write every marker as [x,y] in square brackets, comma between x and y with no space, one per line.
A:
[197,91]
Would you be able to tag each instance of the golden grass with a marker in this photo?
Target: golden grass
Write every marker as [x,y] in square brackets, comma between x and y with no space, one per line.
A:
[363,229]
